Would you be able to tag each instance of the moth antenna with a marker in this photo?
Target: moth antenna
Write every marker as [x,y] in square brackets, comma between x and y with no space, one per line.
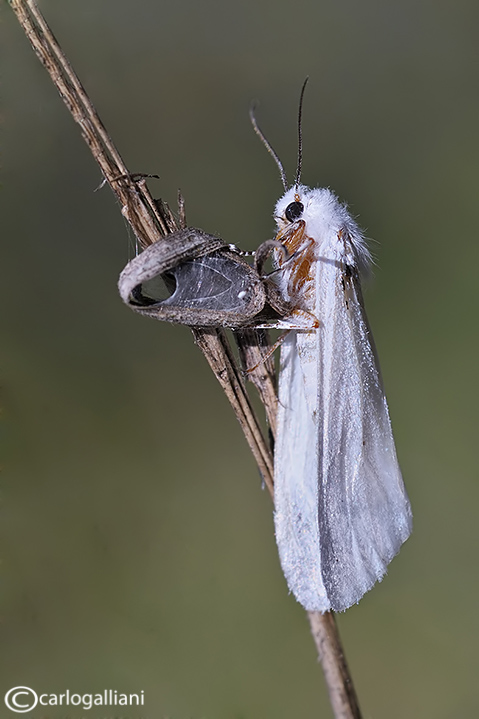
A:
[300,134]
[268,146]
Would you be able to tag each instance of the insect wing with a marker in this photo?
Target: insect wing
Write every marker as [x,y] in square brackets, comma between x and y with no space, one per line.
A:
[296,472]
[342,511]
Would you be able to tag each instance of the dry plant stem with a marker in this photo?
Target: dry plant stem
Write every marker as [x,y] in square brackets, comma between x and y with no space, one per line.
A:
[223,365]
[150,221]
[336,673]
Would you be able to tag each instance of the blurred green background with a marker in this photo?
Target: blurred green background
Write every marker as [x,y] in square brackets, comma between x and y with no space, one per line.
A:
[136,544]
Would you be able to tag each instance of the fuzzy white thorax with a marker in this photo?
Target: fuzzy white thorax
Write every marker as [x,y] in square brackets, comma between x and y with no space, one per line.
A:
[325,216]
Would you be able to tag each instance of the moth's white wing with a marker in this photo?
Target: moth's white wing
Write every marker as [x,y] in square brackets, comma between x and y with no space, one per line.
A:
[296,472]
[342,511]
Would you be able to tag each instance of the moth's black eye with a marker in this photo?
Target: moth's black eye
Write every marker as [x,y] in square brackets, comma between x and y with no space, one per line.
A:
[294,211]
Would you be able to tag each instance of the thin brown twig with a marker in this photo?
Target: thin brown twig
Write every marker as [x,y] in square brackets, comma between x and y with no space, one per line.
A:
[151,220]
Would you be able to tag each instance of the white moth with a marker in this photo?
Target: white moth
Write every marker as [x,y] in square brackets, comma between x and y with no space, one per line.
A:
[341,509]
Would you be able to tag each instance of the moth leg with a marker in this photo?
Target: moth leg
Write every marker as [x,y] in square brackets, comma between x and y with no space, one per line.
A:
[269,353]
[242,253]
[264,250]
[297,320]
